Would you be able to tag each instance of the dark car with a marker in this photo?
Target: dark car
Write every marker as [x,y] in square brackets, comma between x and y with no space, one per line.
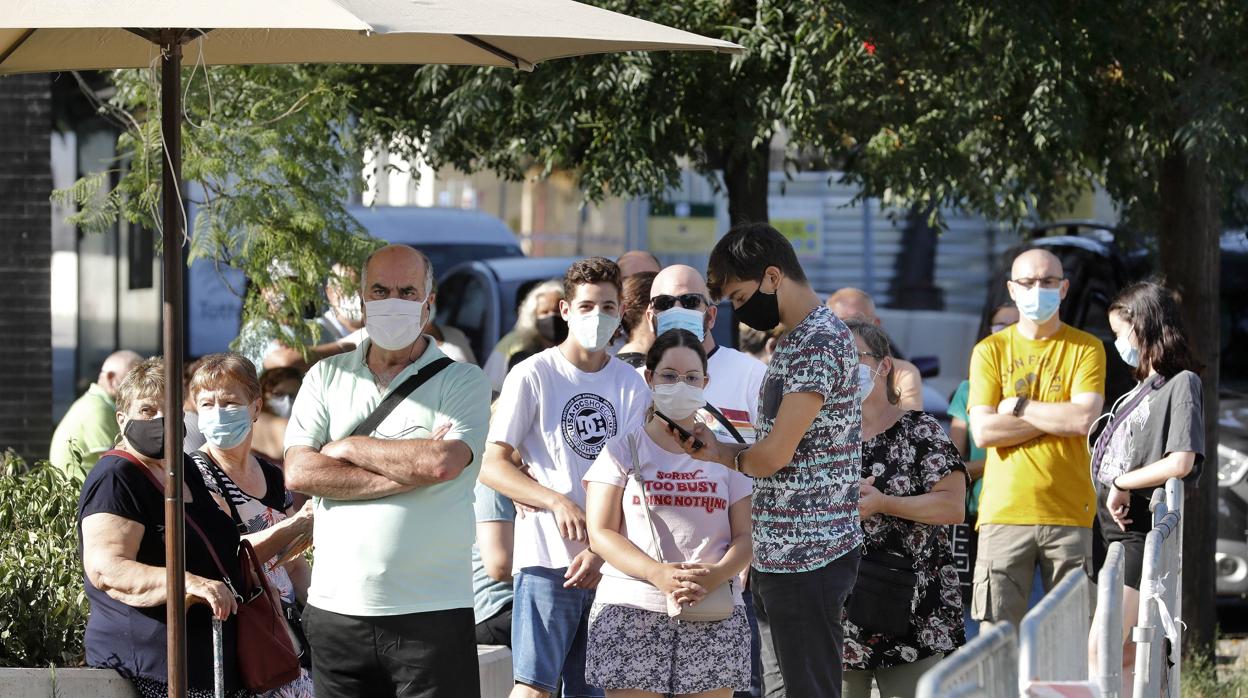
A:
[481,298]
[1099,261]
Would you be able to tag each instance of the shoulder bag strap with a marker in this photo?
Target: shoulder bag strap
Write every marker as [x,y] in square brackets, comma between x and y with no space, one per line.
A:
[719,417]
[400,394]
[212,469]
[1117,418]
[645,505]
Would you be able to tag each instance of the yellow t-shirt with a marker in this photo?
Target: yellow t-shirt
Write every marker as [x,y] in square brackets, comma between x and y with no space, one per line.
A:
[1044,481]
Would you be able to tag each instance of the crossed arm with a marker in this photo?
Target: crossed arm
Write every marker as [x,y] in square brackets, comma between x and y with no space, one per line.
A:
[362,467]
[999,428]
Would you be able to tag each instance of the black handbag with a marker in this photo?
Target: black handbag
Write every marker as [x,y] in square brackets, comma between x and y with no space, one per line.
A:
[881,600]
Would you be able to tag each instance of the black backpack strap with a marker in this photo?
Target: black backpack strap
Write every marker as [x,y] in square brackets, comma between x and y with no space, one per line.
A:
[719,417]
[400,394]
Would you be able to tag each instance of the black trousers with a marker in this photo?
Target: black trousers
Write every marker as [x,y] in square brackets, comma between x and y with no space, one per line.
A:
[804,610]
[496,630]
[417,655]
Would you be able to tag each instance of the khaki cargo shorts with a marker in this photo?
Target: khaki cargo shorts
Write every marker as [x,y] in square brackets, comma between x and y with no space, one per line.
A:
[1006,564]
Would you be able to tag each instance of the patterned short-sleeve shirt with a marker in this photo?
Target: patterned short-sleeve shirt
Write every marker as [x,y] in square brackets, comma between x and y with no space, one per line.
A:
[806,515]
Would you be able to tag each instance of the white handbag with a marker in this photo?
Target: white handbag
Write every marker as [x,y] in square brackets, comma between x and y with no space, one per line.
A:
[715,606]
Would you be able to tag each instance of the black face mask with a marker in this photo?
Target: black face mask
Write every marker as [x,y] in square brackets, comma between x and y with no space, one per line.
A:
[553,328]
[147,436]
[760,311]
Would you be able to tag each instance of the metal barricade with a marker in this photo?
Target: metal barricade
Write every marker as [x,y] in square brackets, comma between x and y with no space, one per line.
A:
[986,667]
[1108,623]
[1053,637]
[1161,584]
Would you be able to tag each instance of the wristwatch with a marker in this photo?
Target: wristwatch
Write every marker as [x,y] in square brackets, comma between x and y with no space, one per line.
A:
[1018,406]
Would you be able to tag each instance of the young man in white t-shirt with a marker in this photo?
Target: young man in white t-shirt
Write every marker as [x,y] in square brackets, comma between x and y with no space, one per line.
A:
[555,412]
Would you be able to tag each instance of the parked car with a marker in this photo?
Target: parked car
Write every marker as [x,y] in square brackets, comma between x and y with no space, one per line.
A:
[1099,261]
[481,298]
[448,236]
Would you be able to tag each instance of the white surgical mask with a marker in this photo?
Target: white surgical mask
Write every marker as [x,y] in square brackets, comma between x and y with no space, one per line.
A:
[677,400]
[350,308]
[593,331]
[1130,353]
[394,323]
[866,382]
[281,405]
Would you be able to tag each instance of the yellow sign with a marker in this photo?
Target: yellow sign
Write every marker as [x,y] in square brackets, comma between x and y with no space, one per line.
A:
[804,233]
[675,235]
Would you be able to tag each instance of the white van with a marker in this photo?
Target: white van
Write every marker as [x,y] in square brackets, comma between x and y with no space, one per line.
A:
[448,236]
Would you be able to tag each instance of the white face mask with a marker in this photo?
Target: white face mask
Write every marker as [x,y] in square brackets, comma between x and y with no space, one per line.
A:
[677,400]
[350,308]
[281,405]
[394,323]
[593,331]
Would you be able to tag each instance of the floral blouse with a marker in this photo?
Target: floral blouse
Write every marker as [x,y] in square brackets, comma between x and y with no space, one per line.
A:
[907,460]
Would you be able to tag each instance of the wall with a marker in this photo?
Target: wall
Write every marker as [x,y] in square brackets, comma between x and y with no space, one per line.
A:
[25,265]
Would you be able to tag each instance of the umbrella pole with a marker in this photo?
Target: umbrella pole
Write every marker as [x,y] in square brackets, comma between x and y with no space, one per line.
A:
[172,292]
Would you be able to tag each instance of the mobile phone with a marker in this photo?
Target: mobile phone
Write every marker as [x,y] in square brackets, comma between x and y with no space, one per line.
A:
[684,433]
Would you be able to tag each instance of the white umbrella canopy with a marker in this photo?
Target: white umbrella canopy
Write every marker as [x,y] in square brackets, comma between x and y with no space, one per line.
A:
[51,35]
[55,35]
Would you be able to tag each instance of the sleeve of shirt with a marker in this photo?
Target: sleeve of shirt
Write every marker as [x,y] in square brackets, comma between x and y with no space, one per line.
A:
[940,457]
[739,487]
[985,379]
[1186,430]
[108,490]
[309,417]
[466,405]
[1090,372]
[489,505]
[515,409]
[606,468]
[819,366]
[957,404]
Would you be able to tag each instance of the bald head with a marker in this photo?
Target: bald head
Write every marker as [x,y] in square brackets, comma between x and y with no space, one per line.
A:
[392,270]
[676,280]
[635,262]
[1036,264]
[115,368]
[853,304]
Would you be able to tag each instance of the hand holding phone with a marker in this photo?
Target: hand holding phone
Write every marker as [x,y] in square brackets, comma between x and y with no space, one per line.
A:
[681,432]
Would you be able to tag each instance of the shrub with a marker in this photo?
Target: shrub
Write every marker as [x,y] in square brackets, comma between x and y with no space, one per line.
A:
[43,608]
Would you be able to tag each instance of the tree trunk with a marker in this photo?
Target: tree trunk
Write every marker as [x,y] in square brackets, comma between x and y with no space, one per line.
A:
[746,178]
[1189,234]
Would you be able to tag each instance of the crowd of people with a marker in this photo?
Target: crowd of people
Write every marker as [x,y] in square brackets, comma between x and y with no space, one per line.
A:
[631,507]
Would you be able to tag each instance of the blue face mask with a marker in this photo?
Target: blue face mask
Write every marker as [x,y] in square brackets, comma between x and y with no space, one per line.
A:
[1130,354]
[1038,304]
[866,382]
[225,427]
[677,318]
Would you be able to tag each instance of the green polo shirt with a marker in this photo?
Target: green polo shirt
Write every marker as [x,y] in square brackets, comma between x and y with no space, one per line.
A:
[88,429]
[410,552]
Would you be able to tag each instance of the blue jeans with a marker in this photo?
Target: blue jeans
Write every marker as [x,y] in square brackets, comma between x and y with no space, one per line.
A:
[549,626]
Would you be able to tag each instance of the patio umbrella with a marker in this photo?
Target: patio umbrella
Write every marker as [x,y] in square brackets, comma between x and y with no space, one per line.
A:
[55,35]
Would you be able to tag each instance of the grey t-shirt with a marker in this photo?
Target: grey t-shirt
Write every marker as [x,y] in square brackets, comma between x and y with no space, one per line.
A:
[1169,419]
[489,596]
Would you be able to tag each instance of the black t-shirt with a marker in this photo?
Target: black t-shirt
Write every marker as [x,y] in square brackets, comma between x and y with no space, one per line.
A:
[132,640]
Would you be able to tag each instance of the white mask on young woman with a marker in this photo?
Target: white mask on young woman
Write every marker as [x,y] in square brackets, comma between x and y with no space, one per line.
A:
[677,400]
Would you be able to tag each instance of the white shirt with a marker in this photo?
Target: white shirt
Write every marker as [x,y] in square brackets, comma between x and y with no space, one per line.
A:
[559,418]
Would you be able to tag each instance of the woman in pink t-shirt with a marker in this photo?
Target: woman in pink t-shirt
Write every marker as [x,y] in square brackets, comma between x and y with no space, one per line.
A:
[701,518]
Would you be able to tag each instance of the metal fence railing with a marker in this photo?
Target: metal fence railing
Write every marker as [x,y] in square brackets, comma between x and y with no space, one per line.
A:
[986,667]
[1053,637]
[1108,623]
[1158,636]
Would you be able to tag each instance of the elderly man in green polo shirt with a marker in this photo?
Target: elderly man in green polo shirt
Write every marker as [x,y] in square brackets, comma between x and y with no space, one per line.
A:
[390,606]
[89,428]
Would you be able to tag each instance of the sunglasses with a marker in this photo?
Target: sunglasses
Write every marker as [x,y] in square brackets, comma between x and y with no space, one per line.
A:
[688,301]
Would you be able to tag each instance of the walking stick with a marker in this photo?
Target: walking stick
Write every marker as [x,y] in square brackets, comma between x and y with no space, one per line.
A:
[218,658]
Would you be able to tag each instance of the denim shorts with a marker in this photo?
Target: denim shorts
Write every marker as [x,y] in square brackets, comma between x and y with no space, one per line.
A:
[549,627]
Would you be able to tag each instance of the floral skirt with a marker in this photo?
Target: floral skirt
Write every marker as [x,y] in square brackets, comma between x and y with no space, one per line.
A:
[629,648]
[148,688]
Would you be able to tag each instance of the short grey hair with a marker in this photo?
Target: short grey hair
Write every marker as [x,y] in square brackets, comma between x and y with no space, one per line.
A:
[423,257]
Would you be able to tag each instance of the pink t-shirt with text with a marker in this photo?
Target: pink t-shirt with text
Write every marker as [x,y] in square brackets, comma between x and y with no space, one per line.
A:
[689,501]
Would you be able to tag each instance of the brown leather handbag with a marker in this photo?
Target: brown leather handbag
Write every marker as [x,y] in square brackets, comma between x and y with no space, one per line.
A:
[265,651]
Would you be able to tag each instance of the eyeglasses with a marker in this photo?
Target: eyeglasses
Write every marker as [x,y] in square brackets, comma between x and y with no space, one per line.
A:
[667,377]
[877,357]
[688,301]
[1044,281]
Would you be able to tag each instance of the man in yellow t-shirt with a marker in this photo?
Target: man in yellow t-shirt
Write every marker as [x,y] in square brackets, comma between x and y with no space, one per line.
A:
[1036,388]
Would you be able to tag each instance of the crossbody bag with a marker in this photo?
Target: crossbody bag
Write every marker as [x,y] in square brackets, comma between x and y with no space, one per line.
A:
[715,606]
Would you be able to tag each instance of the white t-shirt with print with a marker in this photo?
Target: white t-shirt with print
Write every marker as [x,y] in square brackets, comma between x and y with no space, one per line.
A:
[689,502]
[559,417]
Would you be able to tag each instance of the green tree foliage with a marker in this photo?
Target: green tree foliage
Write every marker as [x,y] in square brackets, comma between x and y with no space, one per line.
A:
[43,608]
[269,163]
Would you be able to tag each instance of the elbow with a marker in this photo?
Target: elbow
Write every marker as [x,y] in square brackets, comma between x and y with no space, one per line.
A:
[499,570]
[1184,466]
[1084,424]
[295,475]
[952,515]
